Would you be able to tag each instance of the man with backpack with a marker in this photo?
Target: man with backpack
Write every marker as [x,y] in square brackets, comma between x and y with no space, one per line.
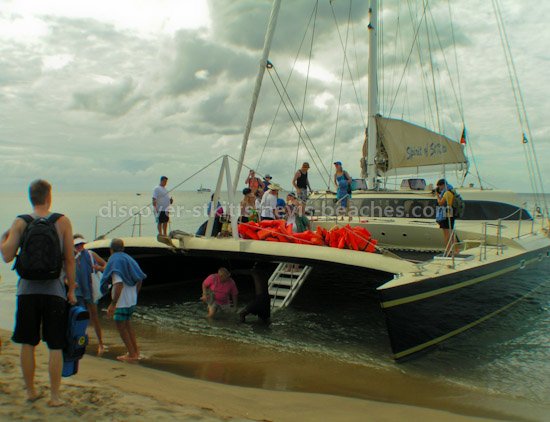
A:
[45,262]
[446,213]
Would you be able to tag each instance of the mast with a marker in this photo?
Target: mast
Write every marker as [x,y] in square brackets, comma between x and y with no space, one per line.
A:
[263,63]
[372,96]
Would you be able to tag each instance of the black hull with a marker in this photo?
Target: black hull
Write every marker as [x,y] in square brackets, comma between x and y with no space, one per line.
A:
[164,266]
[423,314]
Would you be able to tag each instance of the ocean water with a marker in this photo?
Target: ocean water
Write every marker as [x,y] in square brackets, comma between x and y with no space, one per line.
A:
[332,316]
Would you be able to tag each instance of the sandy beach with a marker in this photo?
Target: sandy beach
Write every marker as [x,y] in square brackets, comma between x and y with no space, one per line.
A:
[105,389]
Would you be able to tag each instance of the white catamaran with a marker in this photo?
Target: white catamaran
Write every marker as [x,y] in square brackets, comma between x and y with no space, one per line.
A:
[425,300]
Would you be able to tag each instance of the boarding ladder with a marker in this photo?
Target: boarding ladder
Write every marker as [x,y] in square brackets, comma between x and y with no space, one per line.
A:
[285,282]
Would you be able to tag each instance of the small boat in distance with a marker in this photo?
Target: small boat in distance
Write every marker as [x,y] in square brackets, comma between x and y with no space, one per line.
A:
[201,189]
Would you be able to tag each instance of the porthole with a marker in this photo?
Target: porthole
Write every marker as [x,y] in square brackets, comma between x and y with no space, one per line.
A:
[384,233]
[404,234]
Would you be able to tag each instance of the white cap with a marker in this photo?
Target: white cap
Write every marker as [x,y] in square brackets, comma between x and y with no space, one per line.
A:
[79,241]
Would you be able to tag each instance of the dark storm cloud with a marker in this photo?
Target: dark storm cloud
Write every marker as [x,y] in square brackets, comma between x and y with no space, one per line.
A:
[194,55]
[114,99]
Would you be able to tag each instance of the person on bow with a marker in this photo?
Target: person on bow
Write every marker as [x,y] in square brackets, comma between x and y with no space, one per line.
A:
[301,182]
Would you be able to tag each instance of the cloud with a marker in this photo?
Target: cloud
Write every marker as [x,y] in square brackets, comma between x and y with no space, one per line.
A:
[95,100]
[113,99]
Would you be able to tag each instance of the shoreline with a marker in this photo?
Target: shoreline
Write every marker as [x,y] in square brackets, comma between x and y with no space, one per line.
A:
[105,388]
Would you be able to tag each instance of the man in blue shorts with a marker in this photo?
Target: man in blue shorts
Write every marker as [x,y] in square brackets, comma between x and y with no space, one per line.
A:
[41,301]
[126,276]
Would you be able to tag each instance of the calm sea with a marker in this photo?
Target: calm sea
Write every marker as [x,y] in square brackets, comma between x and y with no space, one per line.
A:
[509,354]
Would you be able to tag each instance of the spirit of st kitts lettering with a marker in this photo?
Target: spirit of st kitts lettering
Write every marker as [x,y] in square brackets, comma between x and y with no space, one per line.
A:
[429,150]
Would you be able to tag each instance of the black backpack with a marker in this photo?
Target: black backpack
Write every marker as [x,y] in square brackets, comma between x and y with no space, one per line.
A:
[40,256]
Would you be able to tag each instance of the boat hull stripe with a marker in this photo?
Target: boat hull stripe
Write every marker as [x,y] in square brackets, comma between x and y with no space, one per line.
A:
[439,339]
[442,290]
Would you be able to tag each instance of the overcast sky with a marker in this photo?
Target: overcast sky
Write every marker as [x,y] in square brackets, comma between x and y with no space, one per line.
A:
[109,95]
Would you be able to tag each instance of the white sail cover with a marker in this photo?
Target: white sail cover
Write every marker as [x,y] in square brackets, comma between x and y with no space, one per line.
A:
[402,144]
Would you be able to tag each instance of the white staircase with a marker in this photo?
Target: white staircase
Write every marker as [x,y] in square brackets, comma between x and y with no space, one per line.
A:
[285,282]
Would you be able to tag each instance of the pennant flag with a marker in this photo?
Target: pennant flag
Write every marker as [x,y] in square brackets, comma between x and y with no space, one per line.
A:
[525,139]
[463,137]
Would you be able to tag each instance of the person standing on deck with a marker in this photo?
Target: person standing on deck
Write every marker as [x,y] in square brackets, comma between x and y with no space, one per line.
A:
[342,180]
[41,302]
[266,182]
[444,214]
[254,182]
[161,203]
[268,206]
[248,207]
[301,182]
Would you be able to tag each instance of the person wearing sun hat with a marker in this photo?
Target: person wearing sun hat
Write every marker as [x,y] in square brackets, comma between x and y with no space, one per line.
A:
[86,263]
[267,182]
[269,202]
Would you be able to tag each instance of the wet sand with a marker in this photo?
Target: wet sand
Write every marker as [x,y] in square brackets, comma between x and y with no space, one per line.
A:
[105,389]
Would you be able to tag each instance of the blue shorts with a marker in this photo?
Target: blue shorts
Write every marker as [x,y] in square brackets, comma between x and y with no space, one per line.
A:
[124,314]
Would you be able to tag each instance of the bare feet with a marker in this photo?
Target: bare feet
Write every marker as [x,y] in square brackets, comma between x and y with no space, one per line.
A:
[56,402]
[100,349]
[127,358]
[33,395]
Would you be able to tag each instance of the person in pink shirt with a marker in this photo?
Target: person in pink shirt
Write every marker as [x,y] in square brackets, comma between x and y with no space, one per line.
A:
[219,292]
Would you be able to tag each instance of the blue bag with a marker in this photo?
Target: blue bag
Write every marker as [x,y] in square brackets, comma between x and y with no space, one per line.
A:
[77,339]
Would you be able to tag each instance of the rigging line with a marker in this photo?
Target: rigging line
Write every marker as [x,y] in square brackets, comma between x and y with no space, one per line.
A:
[461,100]
[148,205]
[361,96]
[381,56]
[301,122]
[524,110]
[296,126]
[433,74]
[306,84]
[303,127]
[348,67]
[393,74]
[339,97]
[287,82]
[507,52]
[407,61]
[244,165]
[427,100]
[447,67]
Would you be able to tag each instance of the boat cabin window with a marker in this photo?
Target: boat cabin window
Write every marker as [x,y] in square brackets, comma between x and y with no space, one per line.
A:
[413,184]
[358,184]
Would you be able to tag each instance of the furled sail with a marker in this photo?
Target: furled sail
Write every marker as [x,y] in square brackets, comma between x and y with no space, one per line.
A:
[402,145]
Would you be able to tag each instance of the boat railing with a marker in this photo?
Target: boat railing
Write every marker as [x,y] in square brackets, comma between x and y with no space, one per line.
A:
[485,239]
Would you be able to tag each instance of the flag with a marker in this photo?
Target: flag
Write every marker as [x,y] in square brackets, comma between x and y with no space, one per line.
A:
[463,137]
